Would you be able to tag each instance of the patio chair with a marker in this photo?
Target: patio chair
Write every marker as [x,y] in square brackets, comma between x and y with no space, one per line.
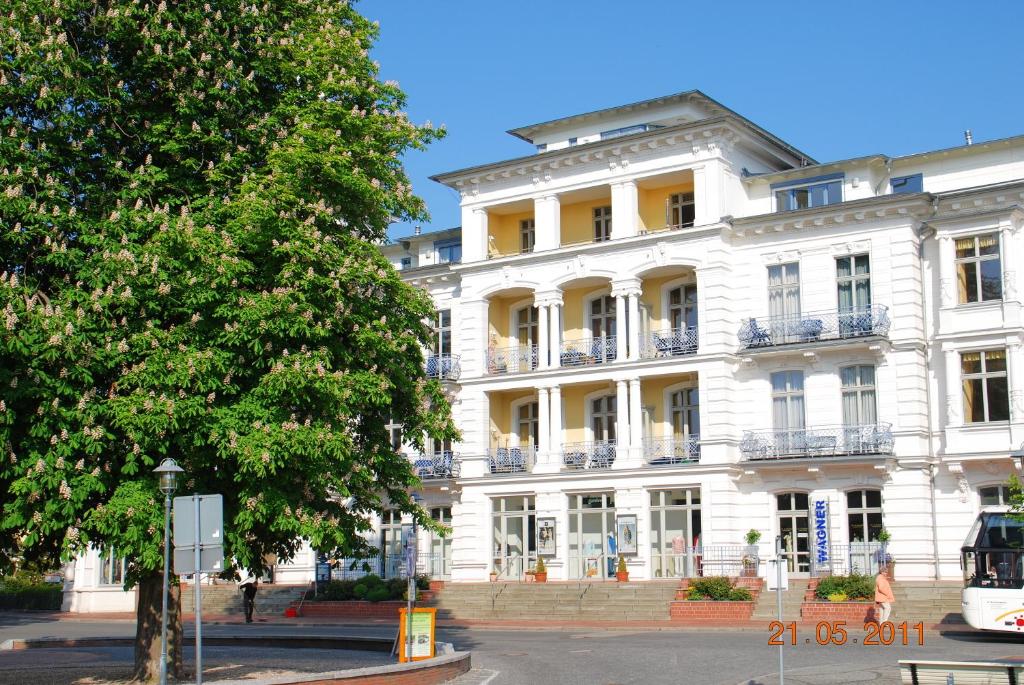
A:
[574,459]
[516,460]
[754,336]
[603,456]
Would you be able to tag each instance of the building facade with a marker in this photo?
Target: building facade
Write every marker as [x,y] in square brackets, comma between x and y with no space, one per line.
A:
[666,327]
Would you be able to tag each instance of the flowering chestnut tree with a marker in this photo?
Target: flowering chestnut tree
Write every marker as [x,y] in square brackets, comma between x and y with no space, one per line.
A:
[191,198]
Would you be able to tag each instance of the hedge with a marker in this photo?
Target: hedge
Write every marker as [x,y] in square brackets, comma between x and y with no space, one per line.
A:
[717,589]
[21,595]
[852,587]
[370,587]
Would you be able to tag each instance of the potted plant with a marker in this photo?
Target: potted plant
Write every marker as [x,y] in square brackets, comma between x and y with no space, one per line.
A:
[531,575]
[540,574]
[885,560]
[621,571]
[750,558]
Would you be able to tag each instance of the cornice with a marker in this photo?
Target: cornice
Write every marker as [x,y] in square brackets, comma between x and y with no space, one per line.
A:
[916,206]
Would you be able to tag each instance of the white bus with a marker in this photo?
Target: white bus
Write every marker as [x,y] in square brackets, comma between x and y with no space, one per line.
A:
[992,558]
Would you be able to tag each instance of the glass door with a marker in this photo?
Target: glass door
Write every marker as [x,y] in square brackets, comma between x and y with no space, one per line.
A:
[784,302]
[592,543]
[675,533]
[793,527]
[526,337]
[514,533]
[391,544]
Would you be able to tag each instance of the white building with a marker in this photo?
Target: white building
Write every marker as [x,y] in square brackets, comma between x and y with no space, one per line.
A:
[666,317]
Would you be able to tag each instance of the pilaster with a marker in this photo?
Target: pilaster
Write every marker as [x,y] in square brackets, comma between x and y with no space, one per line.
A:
[625,209]
[547,214]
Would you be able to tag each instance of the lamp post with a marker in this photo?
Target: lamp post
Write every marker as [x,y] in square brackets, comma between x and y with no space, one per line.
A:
[168,472]
[411,583]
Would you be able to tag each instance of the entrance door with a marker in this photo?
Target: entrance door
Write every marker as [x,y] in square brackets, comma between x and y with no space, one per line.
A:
[793,527]
[526,336]
[675,533]
[515,536]
[592,543]
[439,563]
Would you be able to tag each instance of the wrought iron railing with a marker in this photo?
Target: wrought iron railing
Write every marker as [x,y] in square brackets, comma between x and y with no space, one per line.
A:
[842,324]
[515,359]
[727,560]
[584,351]
[436,565]
[383,565]
[826,441]
[864,558]
[672,450]
[671,342]
[445,367]
[589,455]
[440,465]
[512,459]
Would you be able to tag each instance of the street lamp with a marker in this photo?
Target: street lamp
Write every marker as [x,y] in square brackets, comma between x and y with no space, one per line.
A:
[168,472]
[411,582]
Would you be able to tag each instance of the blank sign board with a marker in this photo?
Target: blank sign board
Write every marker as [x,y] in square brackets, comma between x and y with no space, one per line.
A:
[211,520]
[211,560]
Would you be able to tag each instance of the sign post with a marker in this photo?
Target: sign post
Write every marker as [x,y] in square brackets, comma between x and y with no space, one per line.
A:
[409,544]
[778,591]
[198,548]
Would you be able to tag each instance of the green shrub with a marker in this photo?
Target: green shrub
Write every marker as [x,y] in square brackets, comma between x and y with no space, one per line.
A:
[29,594]
[855,586]
[838,597]
[715,588]
[337,590]
[378,594]
[360,590]
[740,594]
[397,588]
[371,580]
[422,582]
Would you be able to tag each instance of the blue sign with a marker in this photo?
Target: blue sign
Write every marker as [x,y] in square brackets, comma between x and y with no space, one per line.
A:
[821,545]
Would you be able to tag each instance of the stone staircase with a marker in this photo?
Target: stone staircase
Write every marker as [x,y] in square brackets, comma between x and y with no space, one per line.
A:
[587,601]
[767,608]
[928,601]
[226,599]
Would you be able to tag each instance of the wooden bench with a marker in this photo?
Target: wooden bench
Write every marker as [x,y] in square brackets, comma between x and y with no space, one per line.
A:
[997,671]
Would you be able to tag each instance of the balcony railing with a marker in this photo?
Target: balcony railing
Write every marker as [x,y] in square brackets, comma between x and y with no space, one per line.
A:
[828,441]
[445,367]
[437,466]
[588,455]
[516,359]
[671,342]
[773,331]
[512,459]
[672,450]
[854,557]
[584,351]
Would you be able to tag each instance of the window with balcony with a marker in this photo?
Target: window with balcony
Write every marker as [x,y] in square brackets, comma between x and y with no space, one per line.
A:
[602,224]
[858,395]
[864,515]
[602,317]
[680,210]
[682,307]
[526,326]
[978,271]
[986,392]
[449,251]
[602,418]
[685,410]
[783,294]
[808,192]
[111,568]
[853,281]
[527,424]
[527,235]
[788,410]
[994,496]
[443,333]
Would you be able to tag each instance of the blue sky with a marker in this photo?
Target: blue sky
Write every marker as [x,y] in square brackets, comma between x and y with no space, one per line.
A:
[836,80]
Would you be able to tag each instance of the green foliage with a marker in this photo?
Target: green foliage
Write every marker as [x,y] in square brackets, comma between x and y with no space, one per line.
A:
[21,593]
[1016,499]
[838,597]
[541,568]
[717,589]
[621,568]
[378,594]
[365,588]
[884,535]
[423,581]
[752,536]
[190,201]
[854,587]
[359,590]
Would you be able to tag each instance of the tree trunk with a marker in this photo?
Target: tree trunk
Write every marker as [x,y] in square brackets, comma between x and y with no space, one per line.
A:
[147,631]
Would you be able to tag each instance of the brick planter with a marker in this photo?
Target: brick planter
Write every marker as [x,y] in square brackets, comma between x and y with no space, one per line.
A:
[755,585]
[696,612]
[854,613]
[353,609]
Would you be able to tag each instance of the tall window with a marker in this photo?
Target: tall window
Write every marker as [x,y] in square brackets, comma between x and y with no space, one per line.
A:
[395,434]
[439,447]
[602,418]
[978,274]
[443,332]
[986,396]
[864,514]
[994,496]
[682,306]
[527,235]
[391,542]
[858,395]
[449,251]
[784,290]
[804,193]
[526,326]
[853,279]
[602,317]
[680,210]
[675,532]
[788,400]
[528,426]
[111,568]
[440,559]
[602,224]
[685,412]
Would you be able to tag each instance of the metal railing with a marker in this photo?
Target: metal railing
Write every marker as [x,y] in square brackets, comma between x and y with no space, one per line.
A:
[438,466]
[864,558]
[672,450]
[666,227]
[589,455]
[585,351]
[671,342]
[860,322]
[383,565]
[597,566]
[437,566]
[513,566]
[686,564]
[726,560]
[826,441]
[515,359]
[445,367]
[512,459]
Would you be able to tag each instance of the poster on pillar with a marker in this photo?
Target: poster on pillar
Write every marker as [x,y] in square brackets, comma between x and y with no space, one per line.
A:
[546,537]
[625,532]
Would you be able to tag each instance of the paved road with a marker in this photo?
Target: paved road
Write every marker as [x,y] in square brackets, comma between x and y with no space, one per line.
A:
[608,657]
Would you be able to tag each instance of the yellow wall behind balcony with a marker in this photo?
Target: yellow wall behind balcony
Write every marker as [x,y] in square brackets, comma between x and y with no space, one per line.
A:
[578,221]
[652,393]
[653,296]
[501,415]
[652,204]
[576,311]
[498,312]
[574,409]
[504,229]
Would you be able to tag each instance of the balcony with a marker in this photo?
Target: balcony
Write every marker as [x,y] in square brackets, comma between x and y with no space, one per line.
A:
[587,351]
[512,459]
[672,451]
[515,359]
[849,324]
[828,441]
[445,367]
[671,342]
[588,455]
[438,466]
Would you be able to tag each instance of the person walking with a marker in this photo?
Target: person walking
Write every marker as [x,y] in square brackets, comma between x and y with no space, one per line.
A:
[248,587]
[884,597]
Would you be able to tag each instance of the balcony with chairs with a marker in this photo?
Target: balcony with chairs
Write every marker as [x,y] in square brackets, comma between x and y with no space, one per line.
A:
[599,454]
[437,466]
[672,450]
[512,459]
[670,342]
[445,367]
[815,327]
[819,442]
[507,360]
[587,351]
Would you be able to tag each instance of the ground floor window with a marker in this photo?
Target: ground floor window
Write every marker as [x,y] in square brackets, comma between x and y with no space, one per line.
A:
[111,568]
[994,496]
[864,515]
[514,530]
[592,543]
[439,560]
[675,533]
[391,543]
[792,516]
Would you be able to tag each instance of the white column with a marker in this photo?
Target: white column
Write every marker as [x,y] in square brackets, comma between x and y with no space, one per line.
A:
[622,413]
[547,216]
[954,390]
[555,443]
[707,193]
[947,271]
[555,331]
[634,325]
[542,336]
[635,416]
[620,327]
[474,234]
[543,422]
[625,209]
[1015,376]
[1009,253]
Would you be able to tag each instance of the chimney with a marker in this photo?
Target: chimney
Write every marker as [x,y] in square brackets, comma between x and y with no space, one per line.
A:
[417,230]
[968,138]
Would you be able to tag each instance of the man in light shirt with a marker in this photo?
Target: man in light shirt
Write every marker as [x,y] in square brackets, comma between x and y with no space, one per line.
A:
[884,597]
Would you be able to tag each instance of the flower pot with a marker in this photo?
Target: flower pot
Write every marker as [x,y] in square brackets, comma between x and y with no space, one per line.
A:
[541,577]
[890,571]
[622,576]
[494,577]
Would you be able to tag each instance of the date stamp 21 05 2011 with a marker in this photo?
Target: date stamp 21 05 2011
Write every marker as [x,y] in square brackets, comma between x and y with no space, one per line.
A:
[836,633]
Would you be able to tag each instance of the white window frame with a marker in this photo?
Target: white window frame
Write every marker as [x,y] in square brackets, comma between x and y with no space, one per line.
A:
[602,222]
[977,258]
[984,375]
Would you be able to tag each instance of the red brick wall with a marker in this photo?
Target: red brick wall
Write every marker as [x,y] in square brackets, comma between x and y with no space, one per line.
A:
[701,611]
[353,609]
[853,612]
